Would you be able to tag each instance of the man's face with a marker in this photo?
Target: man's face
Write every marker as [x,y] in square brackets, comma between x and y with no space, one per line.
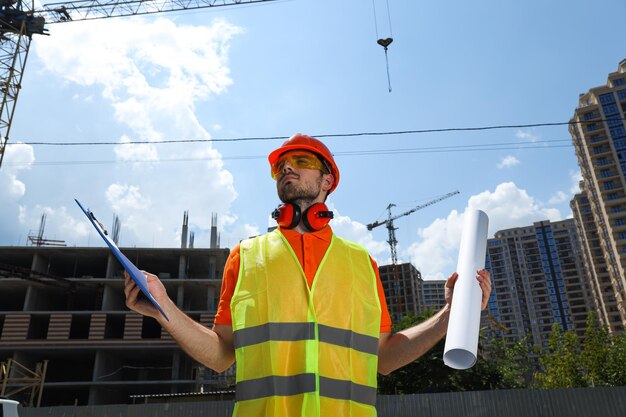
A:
[293,182]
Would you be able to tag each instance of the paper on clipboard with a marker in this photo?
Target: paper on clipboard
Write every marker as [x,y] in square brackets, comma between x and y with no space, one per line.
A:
[134,272]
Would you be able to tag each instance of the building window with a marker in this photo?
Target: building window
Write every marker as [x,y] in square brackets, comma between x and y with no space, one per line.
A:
[607,98]
[618,132]
[605,173]
[592,126]
[602,161]
[599,149]
[589,116]
[619,144]
[621,94]
[610,109]
[619,81]
[614,119]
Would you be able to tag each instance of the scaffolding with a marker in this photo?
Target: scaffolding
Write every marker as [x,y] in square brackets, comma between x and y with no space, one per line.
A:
[18,379]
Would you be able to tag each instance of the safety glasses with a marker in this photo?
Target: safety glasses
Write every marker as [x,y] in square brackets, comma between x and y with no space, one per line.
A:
[298,160]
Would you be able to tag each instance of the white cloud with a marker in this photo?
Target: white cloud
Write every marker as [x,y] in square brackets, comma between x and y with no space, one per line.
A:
[84,98]
[508,161]
[507,206]
[575,177]
[60,224]
[152,73]
[18,157]
[558,197]
[527,135]
[136,214]
[562,196]
[230,236]
[11,187]
[357,232]
[122,197]
[135,151]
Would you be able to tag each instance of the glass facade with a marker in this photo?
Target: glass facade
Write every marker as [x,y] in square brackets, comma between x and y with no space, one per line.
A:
[537,277]
[601,218]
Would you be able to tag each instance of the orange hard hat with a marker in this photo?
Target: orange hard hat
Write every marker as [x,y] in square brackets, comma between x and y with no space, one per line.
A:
[308,143]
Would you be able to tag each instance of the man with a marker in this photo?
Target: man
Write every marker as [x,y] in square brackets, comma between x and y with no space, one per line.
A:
[302,311]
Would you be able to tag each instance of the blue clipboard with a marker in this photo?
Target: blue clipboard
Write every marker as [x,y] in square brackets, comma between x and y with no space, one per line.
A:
[134,272]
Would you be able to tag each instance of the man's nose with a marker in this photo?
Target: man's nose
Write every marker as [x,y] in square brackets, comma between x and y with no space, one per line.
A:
[287,166]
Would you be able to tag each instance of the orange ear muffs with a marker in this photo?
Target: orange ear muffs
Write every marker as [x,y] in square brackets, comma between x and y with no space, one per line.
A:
[317,216]
[288,215]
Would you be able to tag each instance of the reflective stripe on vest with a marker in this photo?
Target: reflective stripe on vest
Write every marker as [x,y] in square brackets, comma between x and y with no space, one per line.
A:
[303,383]
[312,352]
[305,331]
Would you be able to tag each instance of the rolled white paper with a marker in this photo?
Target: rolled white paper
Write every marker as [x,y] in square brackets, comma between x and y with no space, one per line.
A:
[464,323]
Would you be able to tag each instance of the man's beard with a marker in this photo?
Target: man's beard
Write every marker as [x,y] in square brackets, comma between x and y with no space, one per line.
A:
[299,192]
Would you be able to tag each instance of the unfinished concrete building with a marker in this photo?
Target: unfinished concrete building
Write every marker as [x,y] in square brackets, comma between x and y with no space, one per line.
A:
[404,292]
[65,307]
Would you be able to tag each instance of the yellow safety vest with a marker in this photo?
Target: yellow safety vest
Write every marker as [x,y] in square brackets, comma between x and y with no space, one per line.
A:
[305,352]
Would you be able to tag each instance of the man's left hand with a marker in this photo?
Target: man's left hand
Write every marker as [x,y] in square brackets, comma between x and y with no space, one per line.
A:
[484,280]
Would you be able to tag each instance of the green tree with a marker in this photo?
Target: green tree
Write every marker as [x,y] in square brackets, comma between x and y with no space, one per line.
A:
[616,361]
[596,361]
[498,369]
[595,353]
[513,363]
[561,366]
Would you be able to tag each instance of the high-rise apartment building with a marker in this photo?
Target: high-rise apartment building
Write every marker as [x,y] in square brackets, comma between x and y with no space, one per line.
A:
[598,131]
[65,327]
[537,277]
[596,271]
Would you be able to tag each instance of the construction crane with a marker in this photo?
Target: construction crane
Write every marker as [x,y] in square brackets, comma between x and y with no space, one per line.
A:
[392,230]
[19,21]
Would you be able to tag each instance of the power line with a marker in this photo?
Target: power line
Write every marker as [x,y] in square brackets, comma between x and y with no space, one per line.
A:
[540,144]
[331,135]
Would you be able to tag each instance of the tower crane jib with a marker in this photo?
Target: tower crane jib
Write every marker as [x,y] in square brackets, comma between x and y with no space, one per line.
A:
[393,243]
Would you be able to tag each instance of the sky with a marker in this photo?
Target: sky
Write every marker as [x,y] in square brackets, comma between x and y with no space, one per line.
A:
[274,69]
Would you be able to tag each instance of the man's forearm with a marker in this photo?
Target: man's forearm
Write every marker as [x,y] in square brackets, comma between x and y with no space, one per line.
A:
[399,349]
[206,346]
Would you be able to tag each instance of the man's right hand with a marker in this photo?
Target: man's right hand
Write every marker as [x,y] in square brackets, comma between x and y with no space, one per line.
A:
[137,302]
[212,348]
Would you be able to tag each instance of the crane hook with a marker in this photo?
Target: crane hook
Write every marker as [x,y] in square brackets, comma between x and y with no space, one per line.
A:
[384,42]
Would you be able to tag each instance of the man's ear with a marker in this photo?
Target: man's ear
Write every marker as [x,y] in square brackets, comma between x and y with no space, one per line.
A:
[327,181]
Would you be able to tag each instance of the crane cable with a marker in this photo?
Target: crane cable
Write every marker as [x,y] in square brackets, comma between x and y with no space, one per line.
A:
[384,42]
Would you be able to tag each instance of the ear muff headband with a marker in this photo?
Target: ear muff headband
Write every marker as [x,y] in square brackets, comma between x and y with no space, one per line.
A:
[288,215]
